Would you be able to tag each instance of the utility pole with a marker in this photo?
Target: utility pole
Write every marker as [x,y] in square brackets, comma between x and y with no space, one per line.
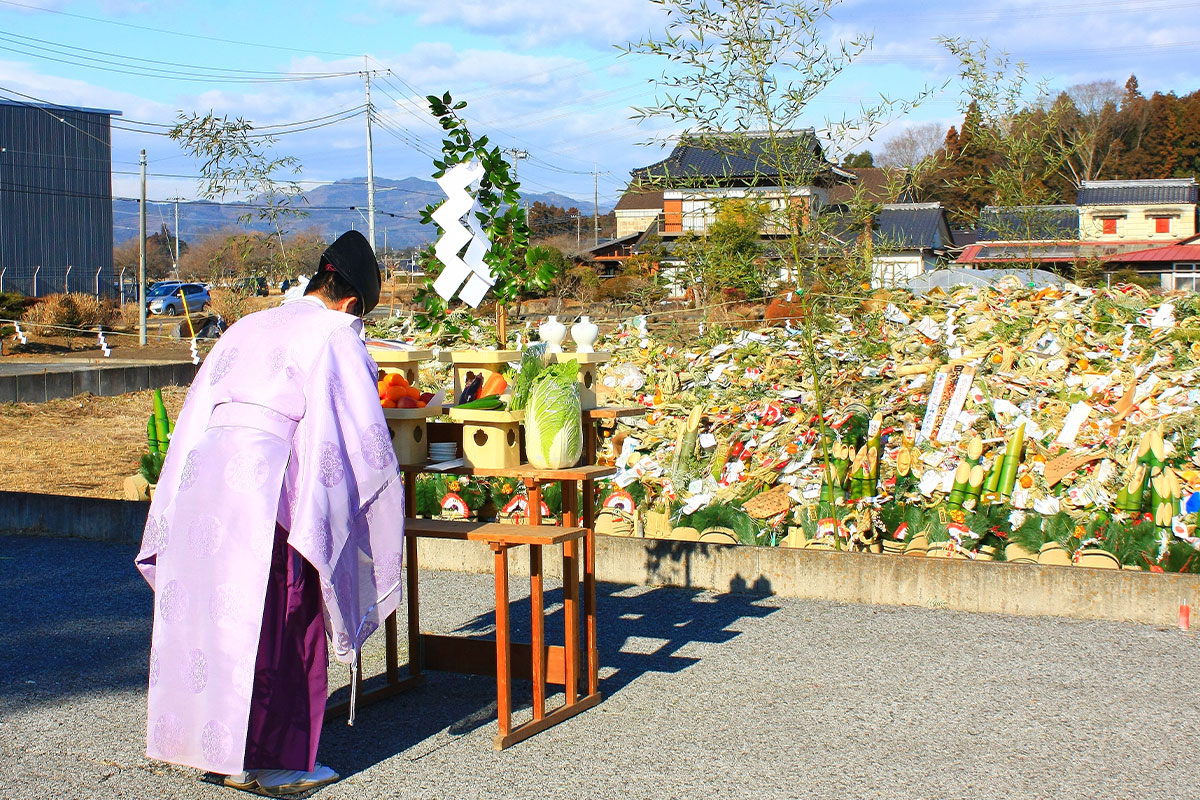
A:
[177,273]
[370,160]
[517,154]
[142,257]
[596,202]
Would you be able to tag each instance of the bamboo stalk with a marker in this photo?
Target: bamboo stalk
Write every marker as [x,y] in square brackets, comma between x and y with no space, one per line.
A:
[975,451]
[1012,458]
[992,484]
[959,492]
[975,483]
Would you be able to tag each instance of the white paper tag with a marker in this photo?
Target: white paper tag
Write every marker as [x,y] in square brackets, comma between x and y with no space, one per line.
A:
[894,314]
[695,503]
[1075,418]
[929,329]
[708,441]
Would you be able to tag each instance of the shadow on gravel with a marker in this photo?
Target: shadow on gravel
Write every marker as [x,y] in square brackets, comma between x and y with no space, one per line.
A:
[641,629]
[76,618]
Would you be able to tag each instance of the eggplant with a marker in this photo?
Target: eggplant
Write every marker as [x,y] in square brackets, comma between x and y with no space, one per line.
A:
[471,390]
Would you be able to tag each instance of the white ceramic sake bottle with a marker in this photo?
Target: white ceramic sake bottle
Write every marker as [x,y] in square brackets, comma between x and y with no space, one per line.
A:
[552,332]
[584,333]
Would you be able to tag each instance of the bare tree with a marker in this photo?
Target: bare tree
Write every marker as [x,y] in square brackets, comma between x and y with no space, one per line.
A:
[1090,131]
[912,146]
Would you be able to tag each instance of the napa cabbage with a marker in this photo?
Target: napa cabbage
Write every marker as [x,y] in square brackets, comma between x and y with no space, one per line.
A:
[553,418]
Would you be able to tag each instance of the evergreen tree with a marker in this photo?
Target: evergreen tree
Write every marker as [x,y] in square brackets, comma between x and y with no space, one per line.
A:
[1157,156]
[1188,149]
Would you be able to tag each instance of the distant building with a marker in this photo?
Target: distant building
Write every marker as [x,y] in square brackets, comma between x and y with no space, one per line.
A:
[683,191]
[637,211]
[56,224]
[1177,265]
[909,239]
[1111,221]
[1153,211]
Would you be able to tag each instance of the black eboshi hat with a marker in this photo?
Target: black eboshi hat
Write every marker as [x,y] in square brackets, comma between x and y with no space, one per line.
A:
[352,257]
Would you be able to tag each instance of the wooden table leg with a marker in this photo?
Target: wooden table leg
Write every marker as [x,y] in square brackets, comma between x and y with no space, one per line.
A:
[571,617]
[391,647]
[503,665]
[591,643]
[415,659]
[538,631]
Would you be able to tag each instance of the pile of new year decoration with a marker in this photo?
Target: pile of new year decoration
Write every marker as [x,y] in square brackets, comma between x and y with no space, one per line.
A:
[1005,423]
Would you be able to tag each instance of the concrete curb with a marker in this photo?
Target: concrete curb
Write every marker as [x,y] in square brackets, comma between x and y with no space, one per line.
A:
[955,584]
[93,518]
[938,583]
[38,387]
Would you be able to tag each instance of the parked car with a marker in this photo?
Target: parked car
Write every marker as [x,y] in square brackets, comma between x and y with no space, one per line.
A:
[171,301]
[253,285]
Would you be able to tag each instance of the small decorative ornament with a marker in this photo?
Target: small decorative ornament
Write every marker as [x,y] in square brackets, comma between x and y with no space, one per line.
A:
[584,333]
[103,344]
[195,352]
[552,333]
[20,335]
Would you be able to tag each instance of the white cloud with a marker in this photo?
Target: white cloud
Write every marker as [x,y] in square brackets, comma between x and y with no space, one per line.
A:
[541,22]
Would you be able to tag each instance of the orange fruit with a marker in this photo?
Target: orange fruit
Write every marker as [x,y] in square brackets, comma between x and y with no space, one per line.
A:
[396,379]
[388,403]
[414,393]
[395,392]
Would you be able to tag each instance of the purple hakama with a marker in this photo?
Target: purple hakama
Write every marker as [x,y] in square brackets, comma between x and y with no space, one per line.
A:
[287,706]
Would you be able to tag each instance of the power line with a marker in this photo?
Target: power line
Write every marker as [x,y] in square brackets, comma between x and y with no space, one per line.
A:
[230,71]
[258,45]
[353,110]
[160,74]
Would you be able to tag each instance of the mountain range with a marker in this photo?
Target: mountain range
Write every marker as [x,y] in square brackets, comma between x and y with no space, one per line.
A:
[332,208]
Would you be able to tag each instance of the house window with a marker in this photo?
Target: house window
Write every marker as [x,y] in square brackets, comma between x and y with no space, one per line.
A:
[672,216]
[1162,224]
[1187,282]
[1108,226]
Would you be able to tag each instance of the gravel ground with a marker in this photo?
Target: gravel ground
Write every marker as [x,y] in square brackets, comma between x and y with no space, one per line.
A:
[706,696]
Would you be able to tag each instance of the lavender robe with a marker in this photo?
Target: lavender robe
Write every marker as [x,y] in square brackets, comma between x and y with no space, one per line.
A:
[281,426]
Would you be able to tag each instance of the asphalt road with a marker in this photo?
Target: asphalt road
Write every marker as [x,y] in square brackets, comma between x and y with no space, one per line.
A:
[706,696]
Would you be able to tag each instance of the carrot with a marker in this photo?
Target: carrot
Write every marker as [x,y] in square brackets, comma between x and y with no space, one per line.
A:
[494,385]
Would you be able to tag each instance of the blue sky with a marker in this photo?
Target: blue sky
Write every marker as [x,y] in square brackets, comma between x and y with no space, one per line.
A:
[542,75]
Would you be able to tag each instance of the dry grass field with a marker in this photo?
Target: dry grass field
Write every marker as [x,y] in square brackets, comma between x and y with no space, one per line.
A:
[85,445]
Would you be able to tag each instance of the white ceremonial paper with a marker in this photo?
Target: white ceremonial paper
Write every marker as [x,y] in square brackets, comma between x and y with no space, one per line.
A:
[1075,418]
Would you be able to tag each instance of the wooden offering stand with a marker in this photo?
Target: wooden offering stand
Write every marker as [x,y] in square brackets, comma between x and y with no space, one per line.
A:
[589,369]
[490,439]
[574,665]
[410,437]
[468,363]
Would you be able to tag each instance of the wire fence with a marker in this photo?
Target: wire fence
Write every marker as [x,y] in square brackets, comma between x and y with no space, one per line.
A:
[41,280]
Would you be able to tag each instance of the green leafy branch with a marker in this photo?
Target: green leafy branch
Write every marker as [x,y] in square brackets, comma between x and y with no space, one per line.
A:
[501,217]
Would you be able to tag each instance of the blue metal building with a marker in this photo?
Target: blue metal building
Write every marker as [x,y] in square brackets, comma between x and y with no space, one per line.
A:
[56,224]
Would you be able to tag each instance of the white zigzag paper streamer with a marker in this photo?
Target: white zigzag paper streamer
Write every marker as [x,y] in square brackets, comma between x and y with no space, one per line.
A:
[468,276]
[195,352]
[104,344]
[20,335]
